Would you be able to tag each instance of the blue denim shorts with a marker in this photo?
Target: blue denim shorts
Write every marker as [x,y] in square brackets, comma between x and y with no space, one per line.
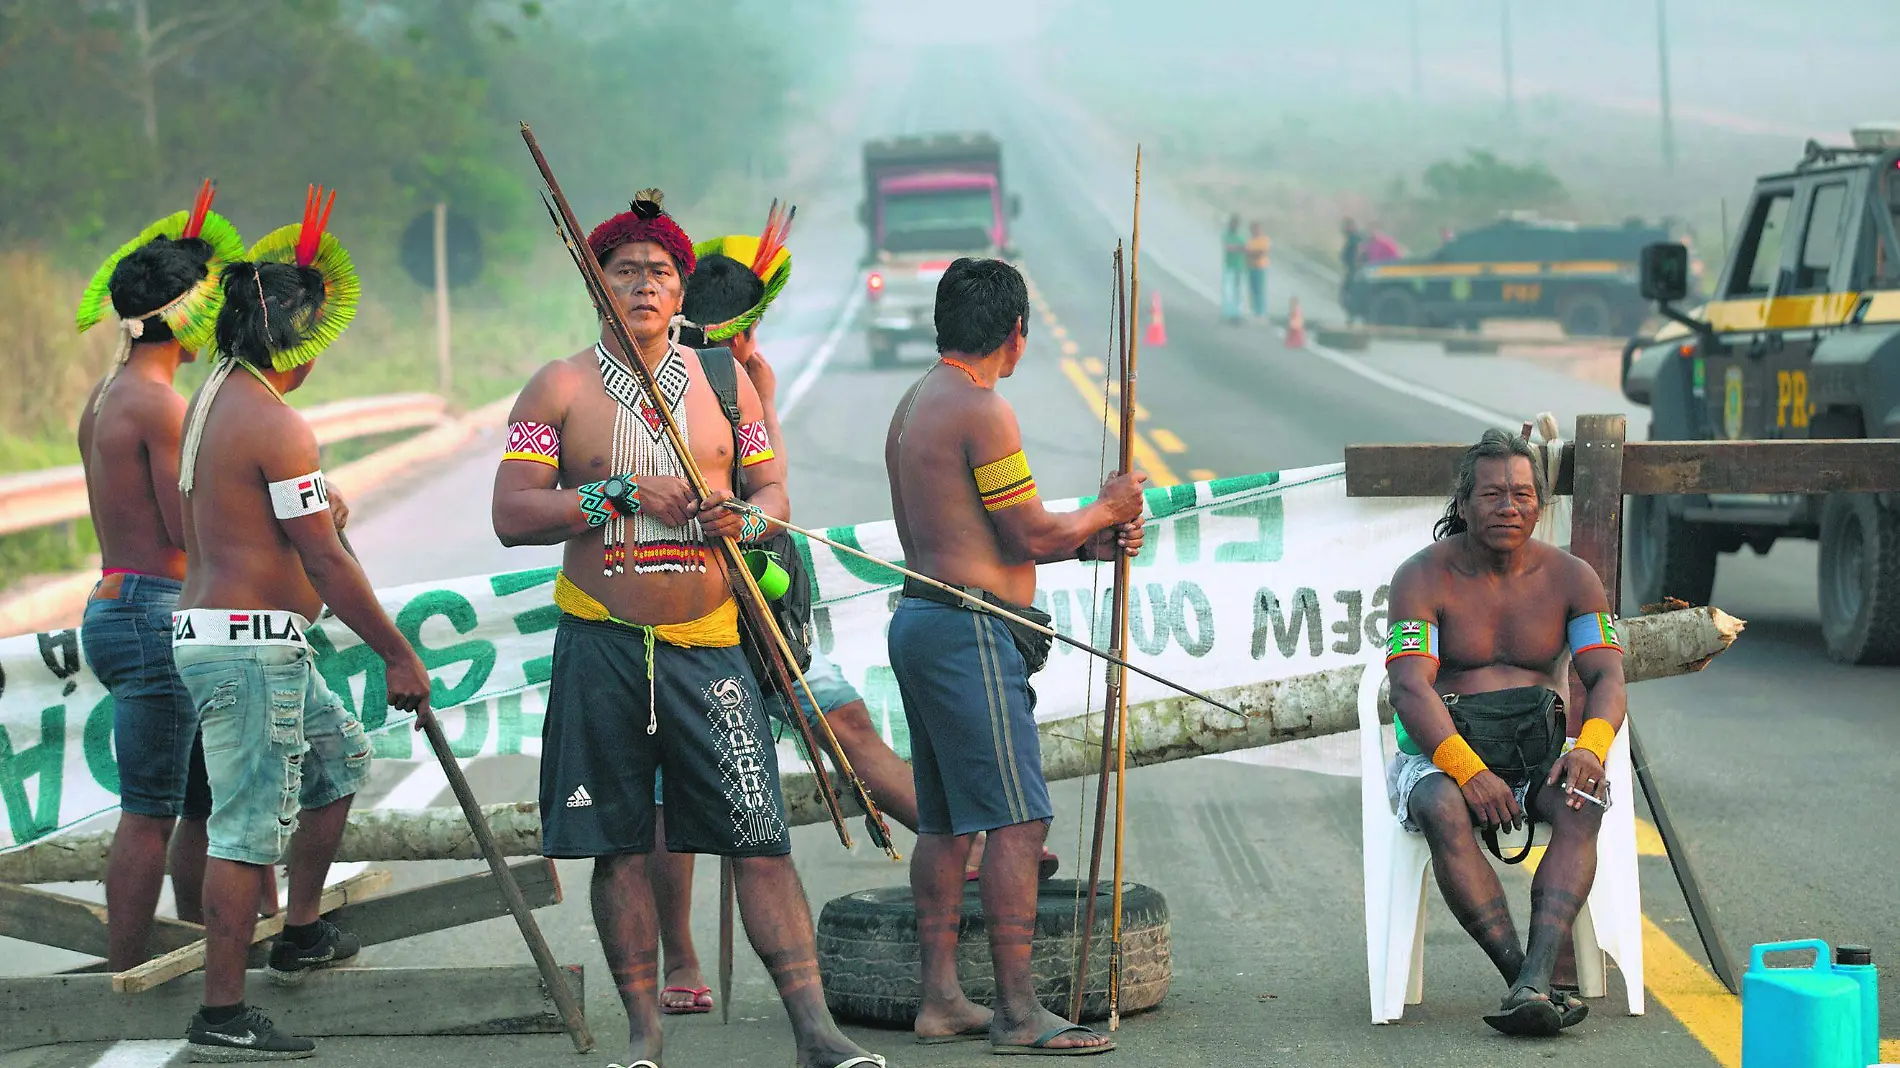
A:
[128,644]
[276,741]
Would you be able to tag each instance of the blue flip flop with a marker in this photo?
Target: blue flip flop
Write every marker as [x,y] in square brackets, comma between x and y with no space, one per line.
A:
[1041,1047]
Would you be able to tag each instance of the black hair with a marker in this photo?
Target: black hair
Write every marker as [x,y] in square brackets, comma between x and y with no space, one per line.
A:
[155,274]
[1494,445]
[720,288]
[978,303]
[250,331]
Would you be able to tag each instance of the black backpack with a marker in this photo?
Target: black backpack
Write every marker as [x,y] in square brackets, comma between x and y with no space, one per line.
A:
[792,611]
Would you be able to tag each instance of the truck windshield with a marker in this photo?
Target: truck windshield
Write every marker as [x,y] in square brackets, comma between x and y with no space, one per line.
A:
[959,219]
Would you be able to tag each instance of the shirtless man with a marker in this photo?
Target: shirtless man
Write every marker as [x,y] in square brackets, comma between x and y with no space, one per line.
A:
[968,515]
[1487,608]
[586,466]
[722,289]
[281,751]
[128,443]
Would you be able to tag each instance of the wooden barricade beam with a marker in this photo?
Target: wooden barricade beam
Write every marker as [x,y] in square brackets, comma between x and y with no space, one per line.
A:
[77,926]
[331,1002]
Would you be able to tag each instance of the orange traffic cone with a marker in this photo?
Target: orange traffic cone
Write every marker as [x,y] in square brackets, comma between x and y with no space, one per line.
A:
[1295,326]
[1157,335]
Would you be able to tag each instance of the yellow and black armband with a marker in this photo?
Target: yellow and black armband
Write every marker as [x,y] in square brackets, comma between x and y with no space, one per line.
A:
[1006,482]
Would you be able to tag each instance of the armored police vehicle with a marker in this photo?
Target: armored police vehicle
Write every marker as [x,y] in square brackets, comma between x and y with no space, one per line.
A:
[1519,267]
[1801,340]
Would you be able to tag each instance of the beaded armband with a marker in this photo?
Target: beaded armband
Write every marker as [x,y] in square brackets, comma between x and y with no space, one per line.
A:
[535,442]
[1005,482]
[753,527]
[607,499]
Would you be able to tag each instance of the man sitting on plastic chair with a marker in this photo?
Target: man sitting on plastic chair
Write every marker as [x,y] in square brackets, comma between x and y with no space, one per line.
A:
[1476,661]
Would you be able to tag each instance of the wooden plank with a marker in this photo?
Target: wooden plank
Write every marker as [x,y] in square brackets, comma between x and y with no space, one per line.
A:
[451,903]
[187,959]
[1596,515]
[77,925]
[332,1002]
[1861,465]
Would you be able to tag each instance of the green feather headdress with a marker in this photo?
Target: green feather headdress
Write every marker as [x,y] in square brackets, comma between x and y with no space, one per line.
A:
[193,315]
[768,258]
[308,244]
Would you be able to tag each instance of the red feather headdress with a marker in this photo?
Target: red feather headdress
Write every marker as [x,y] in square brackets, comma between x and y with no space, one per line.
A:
[645,221]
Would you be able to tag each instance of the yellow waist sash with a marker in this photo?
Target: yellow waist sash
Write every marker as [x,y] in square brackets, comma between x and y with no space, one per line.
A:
[717,629]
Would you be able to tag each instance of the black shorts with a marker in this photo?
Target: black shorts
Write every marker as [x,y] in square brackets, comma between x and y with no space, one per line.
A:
[598,761]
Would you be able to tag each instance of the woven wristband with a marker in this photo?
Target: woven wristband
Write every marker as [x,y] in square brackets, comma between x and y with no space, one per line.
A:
[1455,757]
[1596,736]
[594,503]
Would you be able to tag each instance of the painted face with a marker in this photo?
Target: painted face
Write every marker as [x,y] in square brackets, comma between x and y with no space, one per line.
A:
[1503,508]
[646,285]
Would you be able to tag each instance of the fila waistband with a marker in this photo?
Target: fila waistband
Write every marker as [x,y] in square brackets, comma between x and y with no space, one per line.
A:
[223,626]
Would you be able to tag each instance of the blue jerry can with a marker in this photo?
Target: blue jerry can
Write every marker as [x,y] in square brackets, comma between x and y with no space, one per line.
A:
[1800,1017]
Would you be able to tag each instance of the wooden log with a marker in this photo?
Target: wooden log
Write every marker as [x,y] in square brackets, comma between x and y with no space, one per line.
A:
[39,1010]
[187,959]
[1863,465]
[1596,515]
[1305,706]
[450,903]
[75,925]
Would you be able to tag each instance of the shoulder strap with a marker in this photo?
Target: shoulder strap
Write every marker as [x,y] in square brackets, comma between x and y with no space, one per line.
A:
[722,374]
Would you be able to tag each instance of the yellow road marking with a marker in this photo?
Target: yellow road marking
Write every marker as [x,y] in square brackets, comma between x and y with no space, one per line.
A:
[1146,458]
[1166,439]
[1094,367]
[1115,395]
[1649,843]
[1070,348]
[1202,474]
[1056,330]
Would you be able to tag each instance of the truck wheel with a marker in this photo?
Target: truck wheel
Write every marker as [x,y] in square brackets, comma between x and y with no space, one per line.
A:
[1394,307]
[1585,313]
[868,955]
[1859,579]
[1669,557]
[883,351]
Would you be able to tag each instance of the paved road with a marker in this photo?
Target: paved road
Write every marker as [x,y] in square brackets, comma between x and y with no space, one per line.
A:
[1260,864]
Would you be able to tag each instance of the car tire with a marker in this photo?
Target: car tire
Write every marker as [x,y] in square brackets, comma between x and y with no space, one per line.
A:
[1393,307]
[1585,313]
[868,954]
[1669,556]
[1859,579]
[883,350]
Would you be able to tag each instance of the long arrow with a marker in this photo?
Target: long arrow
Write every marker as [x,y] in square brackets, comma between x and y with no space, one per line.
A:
[979,604]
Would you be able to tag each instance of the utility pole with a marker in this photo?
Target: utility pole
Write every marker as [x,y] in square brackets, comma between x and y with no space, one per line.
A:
[1662,65]
[1510,87]
[1418,80]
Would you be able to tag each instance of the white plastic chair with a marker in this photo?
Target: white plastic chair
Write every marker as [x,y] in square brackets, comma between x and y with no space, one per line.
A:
[1397,863]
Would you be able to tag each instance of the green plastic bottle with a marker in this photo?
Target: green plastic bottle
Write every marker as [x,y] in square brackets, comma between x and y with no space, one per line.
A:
[1406,744]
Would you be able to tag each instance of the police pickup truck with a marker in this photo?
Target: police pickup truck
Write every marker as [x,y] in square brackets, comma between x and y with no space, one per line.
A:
[1801,340]
[1519,267]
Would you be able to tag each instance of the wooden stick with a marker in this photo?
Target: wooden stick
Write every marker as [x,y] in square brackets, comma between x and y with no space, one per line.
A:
[1122,576]
[725,939]
[551,974]
[188,959]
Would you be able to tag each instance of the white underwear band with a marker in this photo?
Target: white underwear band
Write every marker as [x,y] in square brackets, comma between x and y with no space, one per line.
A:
[299,496]
[222,626]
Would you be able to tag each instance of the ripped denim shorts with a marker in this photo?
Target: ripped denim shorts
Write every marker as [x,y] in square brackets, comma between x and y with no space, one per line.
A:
[276,741]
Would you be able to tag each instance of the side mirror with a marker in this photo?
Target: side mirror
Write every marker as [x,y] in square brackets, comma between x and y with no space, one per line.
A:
[1015,205]
[1665,272]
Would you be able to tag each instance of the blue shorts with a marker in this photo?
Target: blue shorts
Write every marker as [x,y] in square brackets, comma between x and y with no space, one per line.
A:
[276,741]
[827,684]
[975,753]
[128,644]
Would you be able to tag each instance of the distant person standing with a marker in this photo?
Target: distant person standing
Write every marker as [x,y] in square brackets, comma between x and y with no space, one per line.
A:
[1233,267]
[1379,247]
[1258,245]
[1348,261]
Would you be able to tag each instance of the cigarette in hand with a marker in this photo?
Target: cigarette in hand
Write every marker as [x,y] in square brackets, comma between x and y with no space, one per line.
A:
[1592,798]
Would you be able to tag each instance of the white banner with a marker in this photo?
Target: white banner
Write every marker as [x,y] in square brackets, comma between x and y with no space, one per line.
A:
[1241,580]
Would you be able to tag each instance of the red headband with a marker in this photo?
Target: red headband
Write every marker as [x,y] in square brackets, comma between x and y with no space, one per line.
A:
[644,221]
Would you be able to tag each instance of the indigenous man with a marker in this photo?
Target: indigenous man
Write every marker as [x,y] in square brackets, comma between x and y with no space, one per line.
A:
[128,442]
[1486,618]
[282,753]
[648,671]
[968,515]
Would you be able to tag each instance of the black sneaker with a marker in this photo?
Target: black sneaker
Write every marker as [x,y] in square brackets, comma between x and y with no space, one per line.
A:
[250,1036]
[289,962]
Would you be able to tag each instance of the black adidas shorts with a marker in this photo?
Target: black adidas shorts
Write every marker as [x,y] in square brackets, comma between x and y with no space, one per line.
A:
[598,761]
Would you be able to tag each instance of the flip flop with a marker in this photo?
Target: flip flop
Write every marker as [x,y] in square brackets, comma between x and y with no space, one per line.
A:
[636,1064]
[1524,1015]
[702,1002]
[870,1059]
[1041,1047]
[973,1034]
[1574,1007]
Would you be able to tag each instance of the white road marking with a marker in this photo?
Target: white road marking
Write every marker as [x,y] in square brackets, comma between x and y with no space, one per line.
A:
[815,366]
[140,1053]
